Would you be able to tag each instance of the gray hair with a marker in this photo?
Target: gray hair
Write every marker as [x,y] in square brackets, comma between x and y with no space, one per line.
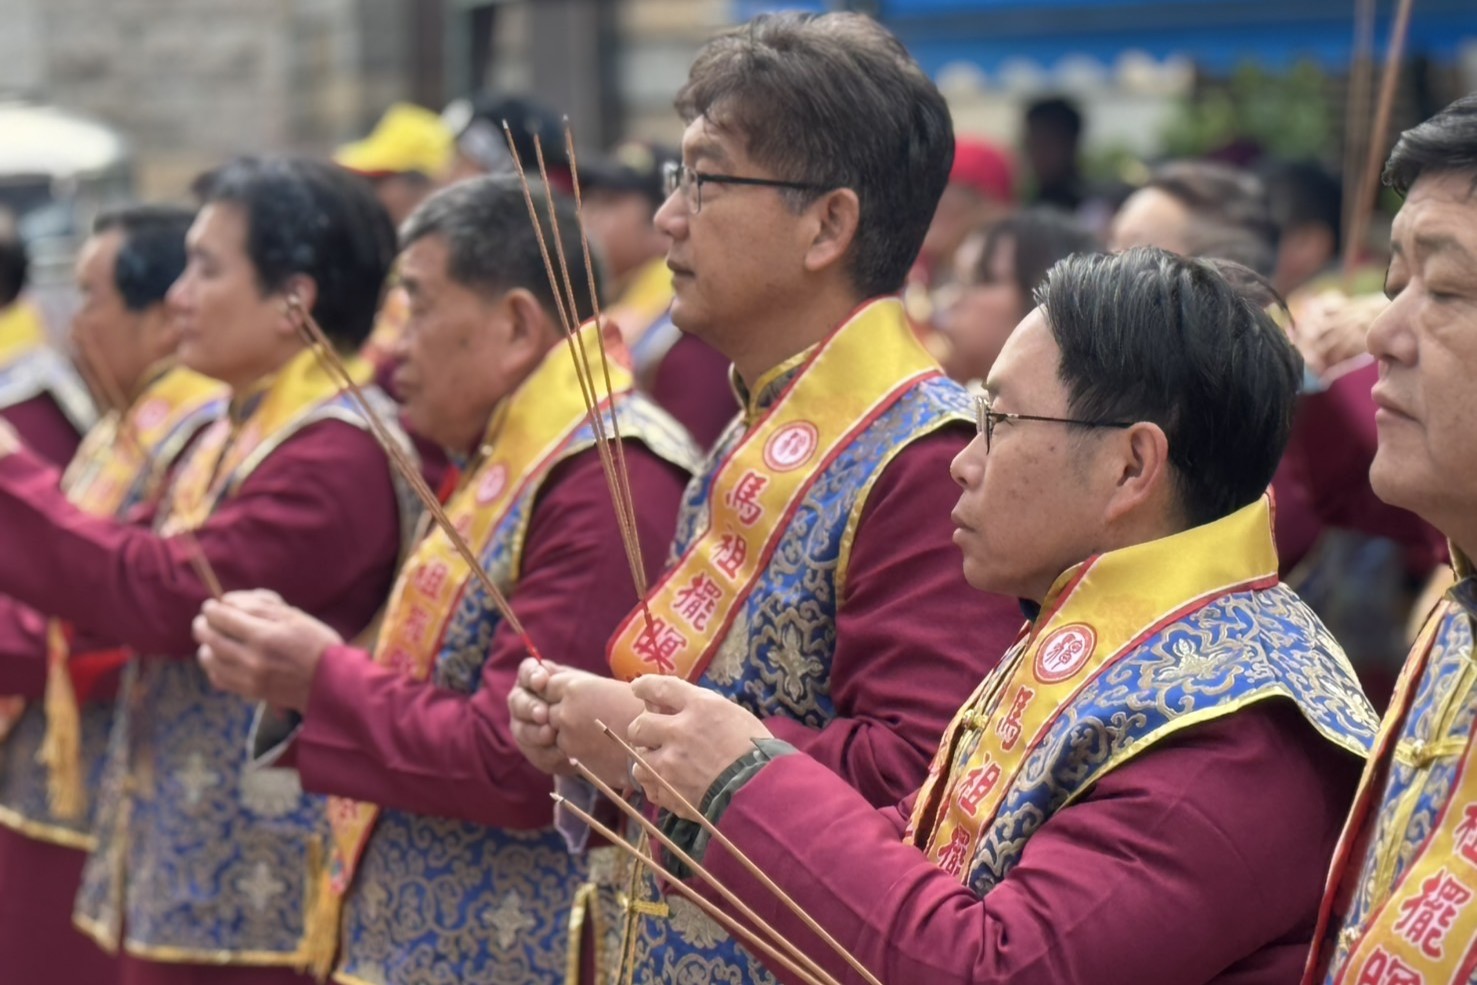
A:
[492,245]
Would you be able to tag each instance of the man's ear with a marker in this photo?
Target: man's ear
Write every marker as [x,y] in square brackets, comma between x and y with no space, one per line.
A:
[1143,468]
[837,214]
[304,291]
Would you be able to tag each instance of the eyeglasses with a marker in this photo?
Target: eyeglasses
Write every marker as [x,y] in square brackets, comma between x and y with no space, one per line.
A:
[986,418]
[679,177]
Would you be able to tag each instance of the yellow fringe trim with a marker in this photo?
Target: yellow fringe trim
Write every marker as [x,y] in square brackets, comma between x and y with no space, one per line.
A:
[61,749]
[321,917]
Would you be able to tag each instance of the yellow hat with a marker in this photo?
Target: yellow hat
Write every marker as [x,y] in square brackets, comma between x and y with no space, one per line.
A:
[407,138]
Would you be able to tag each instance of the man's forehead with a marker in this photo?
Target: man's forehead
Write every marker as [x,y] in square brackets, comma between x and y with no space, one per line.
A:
[1439,217]
[705,140]
[1028,358]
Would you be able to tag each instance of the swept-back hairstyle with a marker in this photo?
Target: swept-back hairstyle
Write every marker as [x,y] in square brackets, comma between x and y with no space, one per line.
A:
[492,245]
[151,255]
[836,101]
[1444,144]
[1148,335]
[316,219]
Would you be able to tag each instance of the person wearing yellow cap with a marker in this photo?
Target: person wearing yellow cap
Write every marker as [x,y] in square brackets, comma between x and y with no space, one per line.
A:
[403,157]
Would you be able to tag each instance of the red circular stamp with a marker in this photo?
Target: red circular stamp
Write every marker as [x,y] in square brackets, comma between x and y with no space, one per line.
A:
[1064,652]
[494,481]
[791,446]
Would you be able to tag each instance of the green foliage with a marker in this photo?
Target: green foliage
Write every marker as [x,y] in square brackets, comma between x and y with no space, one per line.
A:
[1289,114]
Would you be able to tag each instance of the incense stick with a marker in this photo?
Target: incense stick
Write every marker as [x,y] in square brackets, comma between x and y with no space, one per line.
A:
[743,859]
[1368,181]
[622,503]
[113,394]
[733,926]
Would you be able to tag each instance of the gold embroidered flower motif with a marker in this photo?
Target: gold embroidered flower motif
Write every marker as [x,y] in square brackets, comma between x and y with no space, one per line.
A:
[1193,663]
[693,925]
[196,778]
[508,919]
[271,792]
[260,887]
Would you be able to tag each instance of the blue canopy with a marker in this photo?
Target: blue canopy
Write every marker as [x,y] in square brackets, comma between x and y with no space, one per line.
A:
[1216,34]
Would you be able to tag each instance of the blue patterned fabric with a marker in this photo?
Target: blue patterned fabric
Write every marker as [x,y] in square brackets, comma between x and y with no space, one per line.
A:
[199,859]
[1428,748]
[1244,647]
[776,656]
[437,900]
[24,800]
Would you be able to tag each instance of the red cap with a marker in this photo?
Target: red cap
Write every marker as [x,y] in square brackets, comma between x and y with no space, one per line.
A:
[984,167]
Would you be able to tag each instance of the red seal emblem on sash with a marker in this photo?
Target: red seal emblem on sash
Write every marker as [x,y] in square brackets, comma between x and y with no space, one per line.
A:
[791,446]
[492,484]
[1064,652]
[152,414]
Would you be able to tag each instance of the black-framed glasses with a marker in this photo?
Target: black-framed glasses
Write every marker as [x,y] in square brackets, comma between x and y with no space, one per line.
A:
[679,177]
[985,419]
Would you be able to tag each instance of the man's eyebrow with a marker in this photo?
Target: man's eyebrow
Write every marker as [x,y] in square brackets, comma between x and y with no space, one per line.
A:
[708,150]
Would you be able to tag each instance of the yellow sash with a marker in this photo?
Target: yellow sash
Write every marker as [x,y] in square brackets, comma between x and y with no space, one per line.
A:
[858,372]
[529,434]
[1427,924]
[1095,614]
[1426,930]
[99,480]
[272,408]
[20,331]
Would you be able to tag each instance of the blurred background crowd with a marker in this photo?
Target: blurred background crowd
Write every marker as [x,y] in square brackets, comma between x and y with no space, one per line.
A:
[1218,128]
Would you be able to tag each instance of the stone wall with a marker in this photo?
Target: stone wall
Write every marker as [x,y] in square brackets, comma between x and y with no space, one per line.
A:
[191,82]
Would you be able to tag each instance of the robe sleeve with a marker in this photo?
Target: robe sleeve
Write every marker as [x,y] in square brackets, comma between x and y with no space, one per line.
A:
[44,428]
[911,634]
[22,650]
[1207,853]
[316,522]
[373,734]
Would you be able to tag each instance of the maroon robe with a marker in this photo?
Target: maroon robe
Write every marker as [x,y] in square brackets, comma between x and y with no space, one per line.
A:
[373,734]
[44,428]
[317,522]
[1182,866]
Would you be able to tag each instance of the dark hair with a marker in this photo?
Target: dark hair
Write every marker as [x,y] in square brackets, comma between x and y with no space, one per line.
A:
[1055,112]
[491,242]
[834,100]
[312,218]
[1148,335]
[15,264]
[1042,235]
[1301,193]
[1230,216]
[152,254]
[1444,144]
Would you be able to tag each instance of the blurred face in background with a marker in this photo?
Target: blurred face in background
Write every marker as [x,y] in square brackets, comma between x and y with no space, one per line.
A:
[116,345]
[987,309]
[230,328]
[620,226]
[1151,217]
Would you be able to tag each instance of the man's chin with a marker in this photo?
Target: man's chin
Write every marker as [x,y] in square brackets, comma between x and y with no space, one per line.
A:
[1392,482]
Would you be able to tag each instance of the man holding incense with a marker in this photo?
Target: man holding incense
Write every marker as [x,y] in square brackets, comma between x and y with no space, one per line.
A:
[443,851]
[199,872]
[52,750]
[1149,786]
[811,565]
[1402,899]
